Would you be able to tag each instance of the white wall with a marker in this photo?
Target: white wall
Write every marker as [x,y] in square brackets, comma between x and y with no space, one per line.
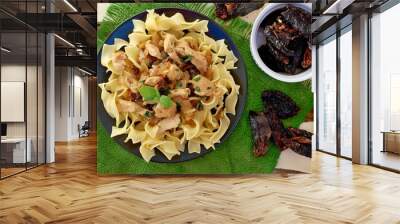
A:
[70,83]
[16,73]
[80,88]
[61,103]
[10,73]
[34,125]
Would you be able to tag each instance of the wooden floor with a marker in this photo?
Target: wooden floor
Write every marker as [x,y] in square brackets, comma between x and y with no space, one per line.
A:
[70,191]
[5,172]
[9,171]
[387,159]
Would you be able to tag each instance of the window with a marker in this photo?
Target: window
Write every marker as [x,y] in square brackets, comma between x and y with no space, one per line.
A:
[22,76]
[334,106]
[385,89]
[327,96]
[346,95]
[394,102]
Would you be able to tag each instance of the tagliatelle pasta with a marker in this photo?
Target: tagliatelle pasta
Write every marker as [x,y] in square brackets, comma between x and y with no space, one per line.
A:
[170,86]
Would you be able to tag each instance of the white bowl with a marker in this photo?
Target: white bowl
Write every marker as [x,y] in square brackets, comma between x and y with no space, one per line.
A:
[257,39]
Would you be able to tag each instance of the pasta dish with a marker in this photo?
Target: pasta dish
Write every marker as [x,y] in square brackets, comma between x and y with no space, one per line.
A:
[170,86]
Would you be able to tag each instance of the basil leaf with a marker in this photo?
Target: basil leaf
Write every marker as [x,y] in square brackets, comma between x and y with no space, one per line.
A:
[149,93]
[165,101]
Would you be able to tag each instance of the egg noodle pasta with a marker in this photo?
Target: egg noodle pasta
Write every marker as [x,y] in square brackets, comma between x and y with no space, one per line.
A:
[170,86]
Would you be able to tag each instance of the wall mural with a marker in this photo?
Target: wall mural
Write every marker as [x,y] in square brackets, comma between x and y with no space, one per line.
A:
[201,88]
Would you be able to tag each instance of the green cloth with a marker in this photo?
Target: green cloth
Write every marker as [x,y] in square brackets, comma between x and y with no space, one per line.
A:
[234,156]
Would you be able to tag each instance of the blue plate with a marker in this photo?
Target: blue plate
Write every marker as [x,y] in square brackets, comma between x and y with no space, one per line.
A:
[216,32]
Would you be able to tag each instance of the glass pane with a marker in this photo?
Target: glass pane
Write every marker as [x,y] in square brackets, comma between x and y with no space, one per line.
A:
[31,87]
[22,88]
[13,86]
[31,97]
[346,94]
[327,96]
[385,84]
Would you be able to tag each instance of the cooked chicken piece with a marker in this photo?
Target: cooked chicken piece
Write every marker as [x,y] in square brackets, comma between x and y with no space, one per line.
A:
[142,45]
[153,80]
[130,107]
[183,48]
[119,61]
[209,56]
[183,93]
[130,72]
[175,57]
[143,76]
[168,123]
[161,44]
[126,95]
[143,55]
[186,76]
[154,70]
[209,74]
[174,73]
[134,96]
[169,47]
[186,108]
[162,112]
[200,61]
[153,50]
[196,58]
[155,38]
[180,84]
[169,43]
[202,86]
[153,120]
[219,93]
[160,70]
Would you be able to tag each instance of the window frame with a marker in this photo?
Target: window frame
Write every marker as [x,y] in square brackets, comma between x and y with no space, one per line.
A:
[31,30]
[381,9]
[334,37]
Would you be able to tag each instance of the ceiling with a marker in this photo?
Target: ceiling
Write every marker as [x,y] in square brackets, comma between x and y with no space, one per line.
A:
[336,15]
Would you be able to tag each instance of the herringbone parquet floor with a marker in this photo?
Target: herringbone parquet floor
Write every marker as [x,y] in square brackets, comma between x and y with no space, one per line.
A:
[70,191]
